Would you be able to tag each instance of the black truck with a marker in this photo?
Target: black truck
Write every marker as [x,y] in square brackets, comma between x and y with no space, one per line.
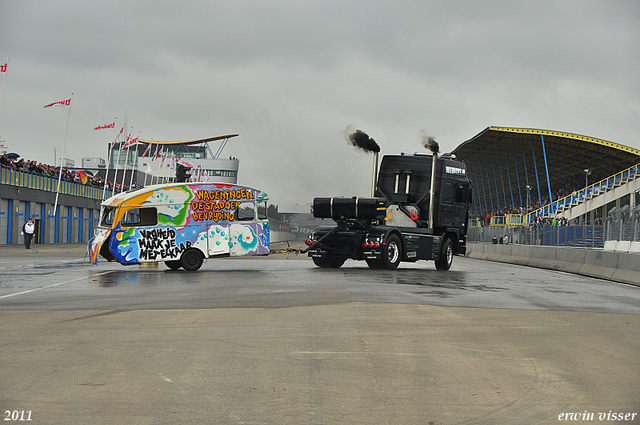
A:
[419,210]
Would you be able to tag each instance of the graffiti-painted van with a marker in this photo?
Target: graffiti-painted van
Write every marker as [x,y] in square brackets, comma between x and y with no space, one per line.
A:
[181,224]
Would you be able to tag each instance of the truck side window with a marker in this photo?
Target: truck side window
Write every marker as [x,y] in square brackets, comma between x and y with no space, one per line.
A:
[459,193]
[245,212]
[447,192]
[140,217]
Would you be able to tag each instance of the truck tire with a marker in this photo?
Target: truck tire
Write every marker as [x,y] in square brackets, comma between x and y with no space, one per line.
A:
[173,265]
[191,260]
[446,255]
[329,262]
[392,252]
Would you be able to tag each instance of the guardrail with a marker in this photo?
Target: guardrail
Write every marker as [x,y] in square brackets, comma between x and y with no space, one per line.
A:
[20,178]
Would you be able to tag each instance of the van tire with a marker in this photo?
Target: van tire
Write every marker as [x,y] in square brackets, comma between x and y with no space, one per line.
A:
[191,260]
[174,265]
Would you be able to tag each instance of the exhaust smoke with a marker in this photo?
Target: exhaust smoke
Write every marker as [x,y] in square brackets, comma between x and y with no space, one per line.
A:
[361,140]
[429,142]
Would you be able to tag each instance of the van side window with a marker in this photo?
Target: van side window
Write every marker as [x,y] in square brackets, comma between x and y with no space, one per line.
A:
[263,211]
[140,217]
[245,212]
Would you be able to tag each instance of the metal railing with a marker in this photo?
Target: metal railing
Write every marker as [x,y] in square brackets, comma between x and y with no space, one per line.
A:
[623,224]
[590,236]
[588,192]
[21,178]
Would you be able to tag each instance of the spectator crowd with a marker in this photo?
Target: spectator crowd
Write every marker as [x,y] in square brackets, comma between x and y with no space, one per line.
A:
[41,169]
[566,188]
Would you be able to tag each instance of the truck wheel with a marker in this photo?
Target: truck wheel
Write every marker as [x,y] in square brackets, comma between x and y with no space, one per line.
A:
[329,262]
[392,253]
[446,255]
[173,265]
[191,260]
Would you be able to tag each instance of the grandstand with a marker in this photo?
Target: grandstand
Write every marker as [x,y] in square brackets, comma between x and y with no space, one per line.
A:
[518,171]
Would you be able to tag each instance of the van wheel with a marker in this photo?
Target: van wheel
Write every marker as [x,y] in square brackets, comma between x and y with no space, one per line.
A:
[392,253]
[191,260]
[173,265]
[446,255]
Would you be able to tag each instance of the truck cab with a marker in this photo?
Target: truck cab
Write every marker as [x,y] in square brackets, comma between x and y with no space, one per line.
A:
[420,211]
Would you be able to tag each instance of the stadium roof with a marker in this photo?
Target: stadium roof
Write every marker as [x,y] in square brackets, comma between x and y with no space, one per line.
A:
[502,161]
[189,142]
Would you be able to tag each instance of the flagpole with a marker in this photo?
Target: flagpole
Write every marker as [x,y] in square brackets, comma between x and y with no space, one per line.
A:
[149,147]
[115,176]
[124,172]
[152,164]
[164,173]
[162,170]
[135,162]
[106,175]
[145,172]
[155,165]
[64,149]
[126,158]
[155,157]
[6,73]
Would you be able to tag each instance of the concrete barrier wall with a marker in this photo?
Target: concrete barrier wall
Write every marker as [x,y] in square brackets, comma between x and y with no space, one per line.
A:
[622,246]
[618,266]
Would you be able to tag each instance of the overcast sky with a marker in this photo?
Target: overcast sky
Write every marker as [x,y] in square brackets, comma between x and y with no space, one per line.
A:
[293,78]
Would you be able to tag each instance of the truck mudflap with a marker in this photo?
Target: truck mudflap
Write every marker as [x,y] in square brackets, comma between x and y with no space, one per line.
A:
[372,255]
[317,253]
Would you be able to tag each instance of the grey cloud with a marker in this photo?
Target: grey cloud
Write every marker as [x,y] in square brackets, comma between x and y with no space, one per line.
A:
[291,76]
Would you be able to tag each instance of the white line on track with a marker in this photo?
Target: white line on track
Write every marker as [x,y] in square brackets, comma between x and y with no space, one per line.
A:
[52,286]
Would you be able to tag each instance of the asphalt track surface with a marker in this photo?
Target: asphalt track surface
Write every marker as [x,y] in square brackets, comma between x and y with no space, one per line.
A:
[276,340]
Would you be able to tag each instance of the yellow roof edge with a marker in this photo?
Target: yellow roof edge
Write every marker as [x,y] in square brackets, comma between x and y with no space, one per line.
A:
[568,136]
[188,142]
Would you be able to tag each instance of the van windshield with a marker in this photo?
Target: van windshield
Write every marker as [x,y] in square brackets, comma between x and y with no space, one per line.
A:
[106,218]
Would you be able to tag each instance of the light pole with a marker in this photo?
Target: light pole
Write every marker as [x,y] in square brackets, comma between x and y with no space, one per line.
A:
[587,173]
[528,196]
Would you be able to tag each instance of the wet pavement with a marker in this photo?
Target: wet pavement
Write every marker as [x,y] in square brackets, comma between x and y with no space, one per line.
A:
[277,340]
[46,279]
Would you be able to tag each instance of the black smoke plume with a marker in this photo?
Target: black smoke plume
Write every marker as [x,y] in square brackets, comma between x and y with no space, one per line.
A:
[430,143]
[361,140]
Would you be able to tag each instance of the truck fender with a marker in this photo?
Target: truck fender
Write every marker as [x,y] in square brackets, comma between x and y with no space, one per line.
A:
[396,232]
